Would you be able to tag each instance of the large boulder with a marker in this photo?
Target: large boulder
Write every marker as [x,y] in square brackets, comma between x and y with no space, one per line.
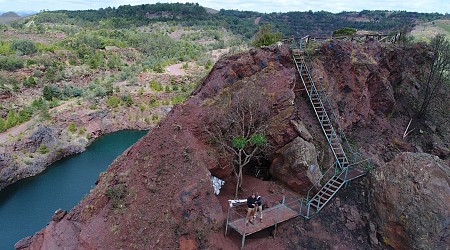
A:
[41,135]
[410,197]
[296,165]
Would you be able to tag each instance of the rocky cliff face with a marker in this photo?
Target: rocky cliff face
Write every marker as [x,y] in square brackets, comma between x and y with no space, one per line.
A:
[164,179]
[410,197]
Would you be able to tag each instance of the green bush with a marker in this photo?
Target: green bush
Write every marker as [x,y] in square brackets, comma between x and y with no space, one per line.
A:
[50,91]
[208,64]
[344,32]
[5,48]
[37,73]
[2,125]
[156,86]
[142,107]
[97,60]
[24,46]
[24,115]
[112,101]
[38,104]
[178,99]
[127,100]
[71,91]
[47,47]
[153,102]
[11,62]
[11,119]
[42,149]
[72,128]
[29,82]
[116,194]
[158,68]
[266,36]
[96,90]
[114,62]
[54,72]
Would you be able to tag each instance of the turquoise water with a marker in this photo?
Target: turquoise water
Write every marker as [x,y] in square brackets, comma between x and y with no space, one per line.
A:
[28,205]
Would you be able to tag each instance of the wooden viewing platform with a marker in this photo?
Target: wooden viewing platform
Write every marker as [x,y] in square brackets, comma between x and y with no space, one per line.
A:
[271,217]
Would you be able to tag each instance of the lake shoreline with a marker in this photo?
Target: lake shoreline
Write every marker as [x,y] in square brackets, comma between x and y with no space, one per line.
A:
[42,143]
[29,204]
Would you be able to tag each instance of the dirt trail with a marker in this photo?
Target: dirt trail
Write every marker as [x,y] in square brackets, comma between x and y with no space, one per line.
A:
[14,131]
[175,70]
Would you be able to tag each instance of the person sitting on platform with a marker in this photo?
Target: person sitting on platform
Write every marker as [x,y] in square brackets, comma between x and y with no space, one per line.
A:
[251,204]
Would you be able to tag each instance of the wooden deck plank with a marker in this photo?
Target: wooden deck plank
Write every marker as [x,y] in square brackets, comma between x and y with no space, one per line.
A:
[271,216]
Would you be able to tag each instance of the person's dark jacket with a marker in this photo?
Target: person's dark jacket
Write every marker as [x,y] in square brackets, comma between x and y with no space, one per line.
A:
[259,201]
[251,202]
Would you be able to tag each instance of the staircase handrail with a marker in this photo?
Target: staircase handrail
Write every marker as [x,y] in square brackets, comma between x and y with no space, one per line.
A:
[319,180]
[366,167]
[314,90]
[333,117]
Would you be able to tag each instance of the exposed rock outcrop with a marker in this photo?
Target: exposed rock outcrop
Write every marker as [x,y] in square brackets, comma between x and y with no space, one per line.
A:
[296,165]
[410,197]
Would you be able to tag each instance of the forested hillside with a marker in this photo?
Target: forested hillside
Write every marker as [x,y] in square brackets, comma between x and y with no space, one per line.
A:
[244,23]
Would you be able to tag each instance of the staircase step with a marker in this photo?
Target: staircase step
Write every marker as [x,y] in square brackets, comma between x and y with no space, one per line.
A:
[334,186]
[323,192]
[320,111]
[314,204]
[329,190]
[344,162]
[338,149]
[337,180]
[318,196]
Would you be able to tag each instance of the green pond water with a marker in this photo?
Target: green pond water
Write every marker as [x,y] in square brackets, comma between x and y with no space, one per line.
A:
[28,205]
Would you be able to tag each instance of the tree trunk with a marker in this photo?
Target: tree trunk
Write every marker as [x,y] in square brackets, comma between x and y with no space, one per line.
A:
[239,176]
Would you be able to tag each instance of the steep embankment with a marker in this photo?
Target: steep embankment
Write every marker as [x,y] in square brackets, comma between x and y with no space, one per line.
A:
[158,194]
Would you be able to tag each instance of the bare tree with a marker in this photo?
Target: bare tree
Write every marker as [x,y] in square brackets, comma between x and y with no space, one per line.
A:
[239,126]
[436,73]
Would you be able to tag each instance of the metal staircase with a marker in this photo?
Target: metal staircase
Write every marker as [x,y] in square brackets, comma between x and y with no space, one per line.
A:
[342,171]
[319,108]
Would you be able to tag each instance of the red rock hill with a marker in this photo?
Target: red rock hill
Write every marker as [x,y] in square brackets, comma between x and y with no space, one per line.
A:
[158,194]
